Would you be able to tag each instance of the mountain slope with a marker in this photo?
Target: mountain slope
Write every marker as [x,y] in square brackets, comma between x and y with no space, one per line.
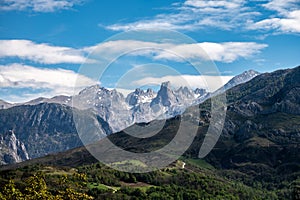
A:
[260,140]
[66,100]
[261,134]
[241,78]
[32,131]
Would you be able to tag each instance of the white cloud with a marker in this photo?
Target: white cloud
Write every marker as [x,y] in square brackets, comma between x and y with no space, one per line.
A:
[40,53]
[214,4]
[289,23]
[222,52]
[48,54]
[285,20]
[195,14]
[279,16]
[282,6]
[210,83]
[38,5]
[175,22]
[55,81]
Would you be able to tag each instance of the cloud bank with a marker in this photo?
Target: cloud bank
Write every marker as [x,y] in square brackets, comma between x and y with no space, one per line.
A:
[47,82]
[40,53]
[47,54]
[222,52]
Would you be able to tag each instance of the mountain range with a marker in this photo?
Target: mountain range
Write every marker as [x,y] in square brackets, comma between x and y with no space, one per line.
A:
[42,122]
[258,147]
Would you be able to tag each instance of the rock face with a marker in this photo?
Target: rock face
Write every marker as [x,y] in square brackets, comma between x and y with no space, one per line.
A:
[140,96]
[139,106]
[108,104]
[31,131]
[199,92]
[165,96]
[12,149]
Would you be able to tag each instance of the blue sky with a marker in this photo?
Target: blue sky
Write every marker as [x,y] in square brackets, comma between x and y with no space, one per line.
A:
[43,43]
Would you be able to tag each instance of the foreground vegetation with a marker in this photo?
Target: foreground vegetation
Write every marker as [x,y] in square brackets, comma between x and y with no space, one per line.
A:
[198,180]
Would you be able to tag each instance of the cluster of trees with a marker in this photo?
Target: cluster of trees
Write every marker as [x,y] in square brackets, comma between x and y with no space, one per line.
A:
[97,181]
[36,188]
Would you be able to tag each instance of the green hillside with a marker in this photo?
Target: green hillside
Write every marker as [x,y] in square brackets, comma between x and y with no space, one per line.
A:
[96,181]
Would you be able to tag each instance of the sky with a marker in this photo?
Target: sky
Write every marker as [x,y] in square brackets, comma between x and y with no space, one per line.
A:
[59,47]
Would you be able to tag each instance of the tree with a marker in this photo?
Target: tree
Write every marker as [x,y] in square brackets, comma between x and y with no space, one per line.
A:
[10,192]
[36,188]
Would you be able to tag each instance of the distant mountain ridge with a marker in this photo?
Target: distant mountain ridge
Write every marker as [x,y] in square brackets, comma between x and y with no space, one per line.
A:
[140,95]
[26,128]
[139,106]
[239,79]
